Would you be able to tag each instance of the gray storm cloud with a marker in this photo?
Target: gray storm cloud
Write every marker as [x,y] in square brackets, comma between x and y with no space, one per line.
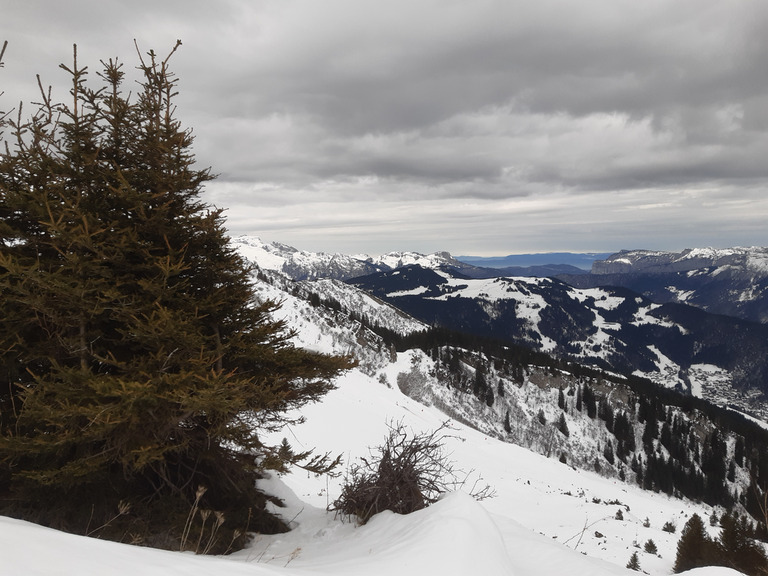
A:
[491,126]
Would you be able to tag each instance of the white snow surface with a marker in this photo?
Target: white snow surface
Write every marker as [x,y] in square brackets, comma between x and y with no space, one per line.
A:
[603,299]
[415,292]
[400,259]
[546,518]
[276,256]
[265,255]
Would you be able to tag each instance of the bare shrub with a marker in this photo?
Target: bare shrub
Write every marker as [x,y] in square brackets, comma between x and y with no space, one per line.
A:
[407,473]
[669,526]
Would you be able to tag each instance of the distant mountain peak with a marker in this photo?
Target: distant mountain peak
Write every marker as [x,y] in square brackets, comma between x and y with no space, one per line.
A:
[658,262]
[576,260]
[303,265]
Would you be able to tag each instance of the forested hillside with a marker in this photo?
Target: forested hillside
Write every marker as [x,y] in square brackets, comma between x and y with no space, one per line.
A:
[626,428]
[720,358]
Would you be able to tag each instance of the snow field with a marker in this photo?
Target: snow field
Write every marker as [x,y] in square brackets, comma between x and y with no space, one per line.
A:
[546,519]
[541,522]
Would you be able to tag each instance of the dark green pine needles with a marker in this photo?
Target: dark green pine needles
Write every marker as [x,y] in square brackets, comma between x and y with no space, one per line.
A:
[136,365]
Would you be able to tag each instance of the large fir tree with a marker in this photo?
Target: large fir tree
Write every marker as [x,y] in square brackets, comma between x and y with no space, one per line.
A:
[737,548]
[695,548]
[136,364]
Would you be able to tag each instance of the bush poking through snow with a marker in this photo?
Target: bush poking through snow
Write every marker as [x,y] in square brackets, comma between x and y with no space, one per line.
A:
[407,473]
[634,562]
[650,547]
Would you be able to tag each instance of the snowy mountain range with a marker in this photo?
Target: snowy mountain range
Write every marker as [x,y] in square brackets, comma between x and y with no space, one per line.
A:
[519,401]
[733,282]
[302,265]
[498,390]
[567,451]
[503,383]
[720,358]
[754,259]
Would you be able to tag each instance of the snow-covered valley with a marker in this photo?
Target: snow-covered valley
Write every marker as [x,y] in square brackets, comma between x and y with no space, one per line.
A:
[545,518]
[714,357]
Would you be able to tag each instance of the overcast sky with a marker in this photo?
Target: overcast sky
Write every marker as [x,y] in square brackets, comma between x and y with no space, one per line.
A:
[483,127]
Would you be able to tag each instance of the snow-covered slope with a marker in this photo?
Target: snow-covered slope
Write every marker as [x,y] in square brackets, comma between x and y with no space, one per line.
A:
[547,518]
[421,391]
[676,346]
[339,308]
[276,263]
[552,519]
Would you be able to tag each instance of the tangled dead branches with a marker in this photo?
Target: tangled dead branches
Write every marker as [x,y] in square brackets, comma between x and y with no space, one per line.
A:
[407,473]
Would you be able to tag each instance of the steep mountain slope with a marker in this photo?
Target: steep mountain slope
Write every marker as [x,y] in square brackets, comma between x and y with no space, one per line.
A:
[717,357]
[733,281]
[547,518]
[672,443]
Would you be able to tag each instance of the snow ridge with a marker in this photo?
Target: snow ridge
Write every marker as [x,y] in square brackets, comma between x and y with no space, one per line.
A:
[753,259]
[302,265]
